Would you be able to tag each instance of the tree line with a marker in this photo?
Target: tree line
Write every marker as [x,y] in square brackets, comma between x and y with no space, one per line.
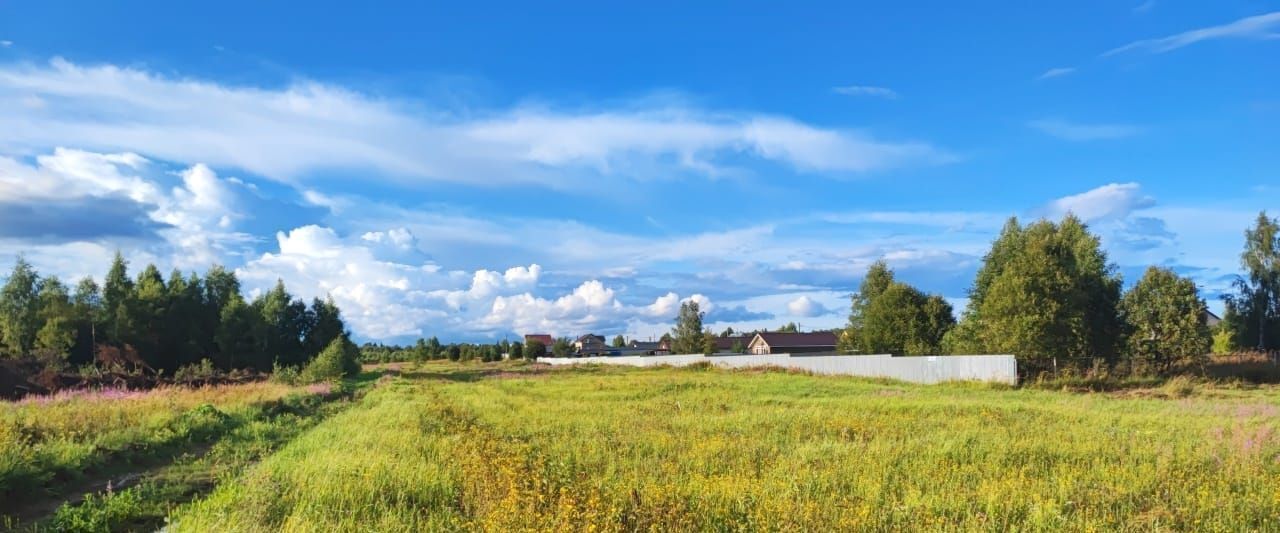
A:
[152,323]
[1046,293]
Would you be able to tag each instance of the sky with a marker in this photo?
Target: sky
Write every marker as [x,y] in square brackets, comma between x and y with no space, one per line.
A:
[486,170]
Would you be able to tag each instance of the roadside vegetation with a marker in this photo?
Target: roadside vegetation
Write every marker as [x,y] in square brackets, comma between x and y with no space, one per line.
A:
[452,446]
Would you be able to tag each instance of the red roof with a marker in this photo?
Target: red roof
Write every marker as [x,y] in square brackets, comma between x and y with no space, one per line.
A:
[811,339]
[545,339]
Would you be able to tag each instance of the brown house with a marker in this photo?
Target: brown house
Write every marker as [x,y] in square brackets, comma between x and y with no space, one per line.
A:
[725,344]
[812,342]
[545,339]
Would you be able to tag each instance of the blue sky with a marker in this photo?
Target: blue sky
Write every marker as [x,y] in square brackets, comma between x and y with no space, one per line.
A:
[492,169]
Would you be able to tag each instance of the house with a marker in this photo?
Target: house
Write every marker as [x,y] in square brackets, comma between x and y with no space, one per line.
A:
[812,342]
[590,344]
[726,344]
[545,339]
[1211,319]
[646,348]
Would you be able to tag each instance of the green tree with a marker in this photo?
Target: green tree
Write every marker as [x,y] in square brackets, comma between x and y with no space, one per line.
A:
[619,341]
[888,316]
[875,282]
[454,352]
[1166,320]
[147,308]
[434,349]
[235,333]
[516,351]
[341,358]
[87,305]
[902,320]
[1253,313]
[686,338]
[116,291]
[326,325]
[562,347]
[420,352]
[535,350]
[708,342]
[738,347]
[1044,292]
[19,308]
[789,327]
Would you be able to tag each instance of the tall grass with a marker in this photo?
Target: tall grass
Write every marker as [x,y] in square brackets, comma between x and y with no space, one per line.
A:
[49,439]
[673,450]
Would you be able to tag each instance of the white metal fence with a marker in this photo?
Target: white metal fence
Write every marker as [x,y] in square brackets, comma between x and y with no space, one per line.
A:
[916,369]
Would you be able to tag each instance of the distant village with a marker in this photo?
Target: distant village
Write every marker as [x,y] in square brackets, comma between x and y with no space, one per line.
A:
[760,343]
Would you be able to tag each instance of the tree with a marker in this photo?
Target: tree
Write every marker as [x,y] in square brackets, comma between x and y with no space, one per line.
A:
[420,352]
[341,358]
[19,307]
[728,332]
[888,316]
[87,308]
[708,342]
[738,347]
[515,352]
[535,350]
[1044,292]
[1166,320]
[874,283]
[619,341]
[434,349]
[902,320]
[116,290]
[56,316]
[789,327]
[1253,313]
[561,347]
[326,325]
[686,338]
[234,337]
[146,309]
[454,352]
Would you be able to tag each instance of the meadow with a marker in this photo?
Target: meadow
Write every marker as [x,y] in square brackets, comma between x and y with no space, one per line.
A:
[520,448]
[55,448]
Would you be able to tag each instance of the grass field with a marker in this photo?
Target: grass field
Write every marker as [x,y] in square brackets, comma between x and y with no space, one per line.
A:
[175,440]
[466,447]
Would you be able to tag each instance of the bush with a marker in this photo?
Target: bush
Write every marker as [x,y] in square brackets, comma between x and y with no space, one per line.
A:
[288,375]
[341,358]
[196,373]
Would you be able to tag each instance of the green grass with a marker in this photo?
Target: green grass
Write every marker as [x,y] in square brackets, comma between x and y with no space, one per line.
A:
[178,441]
[456,447]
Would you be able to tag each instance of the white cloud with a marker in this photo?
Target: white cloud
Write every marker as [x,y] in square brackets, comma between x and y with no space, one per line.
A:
[866,90]
[1263,26]
[804,306]
[1108,202]
[1145,6]
[1072,131]
[288,133]
[6,44]
[1057,72]
[197,218]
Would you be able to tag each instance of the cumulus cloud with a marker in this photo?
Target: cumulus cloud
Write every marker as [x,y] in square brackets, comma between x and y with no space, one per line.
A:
[389,299]
[80,195]
[286,133]
[1073,131]
[1265,26]
[1109,202]
[805,306]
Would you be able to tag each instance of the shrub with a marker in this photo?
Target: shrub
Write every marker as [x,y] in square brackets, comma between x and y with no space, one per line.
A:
[339,359]
[198,372]
[288,375]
